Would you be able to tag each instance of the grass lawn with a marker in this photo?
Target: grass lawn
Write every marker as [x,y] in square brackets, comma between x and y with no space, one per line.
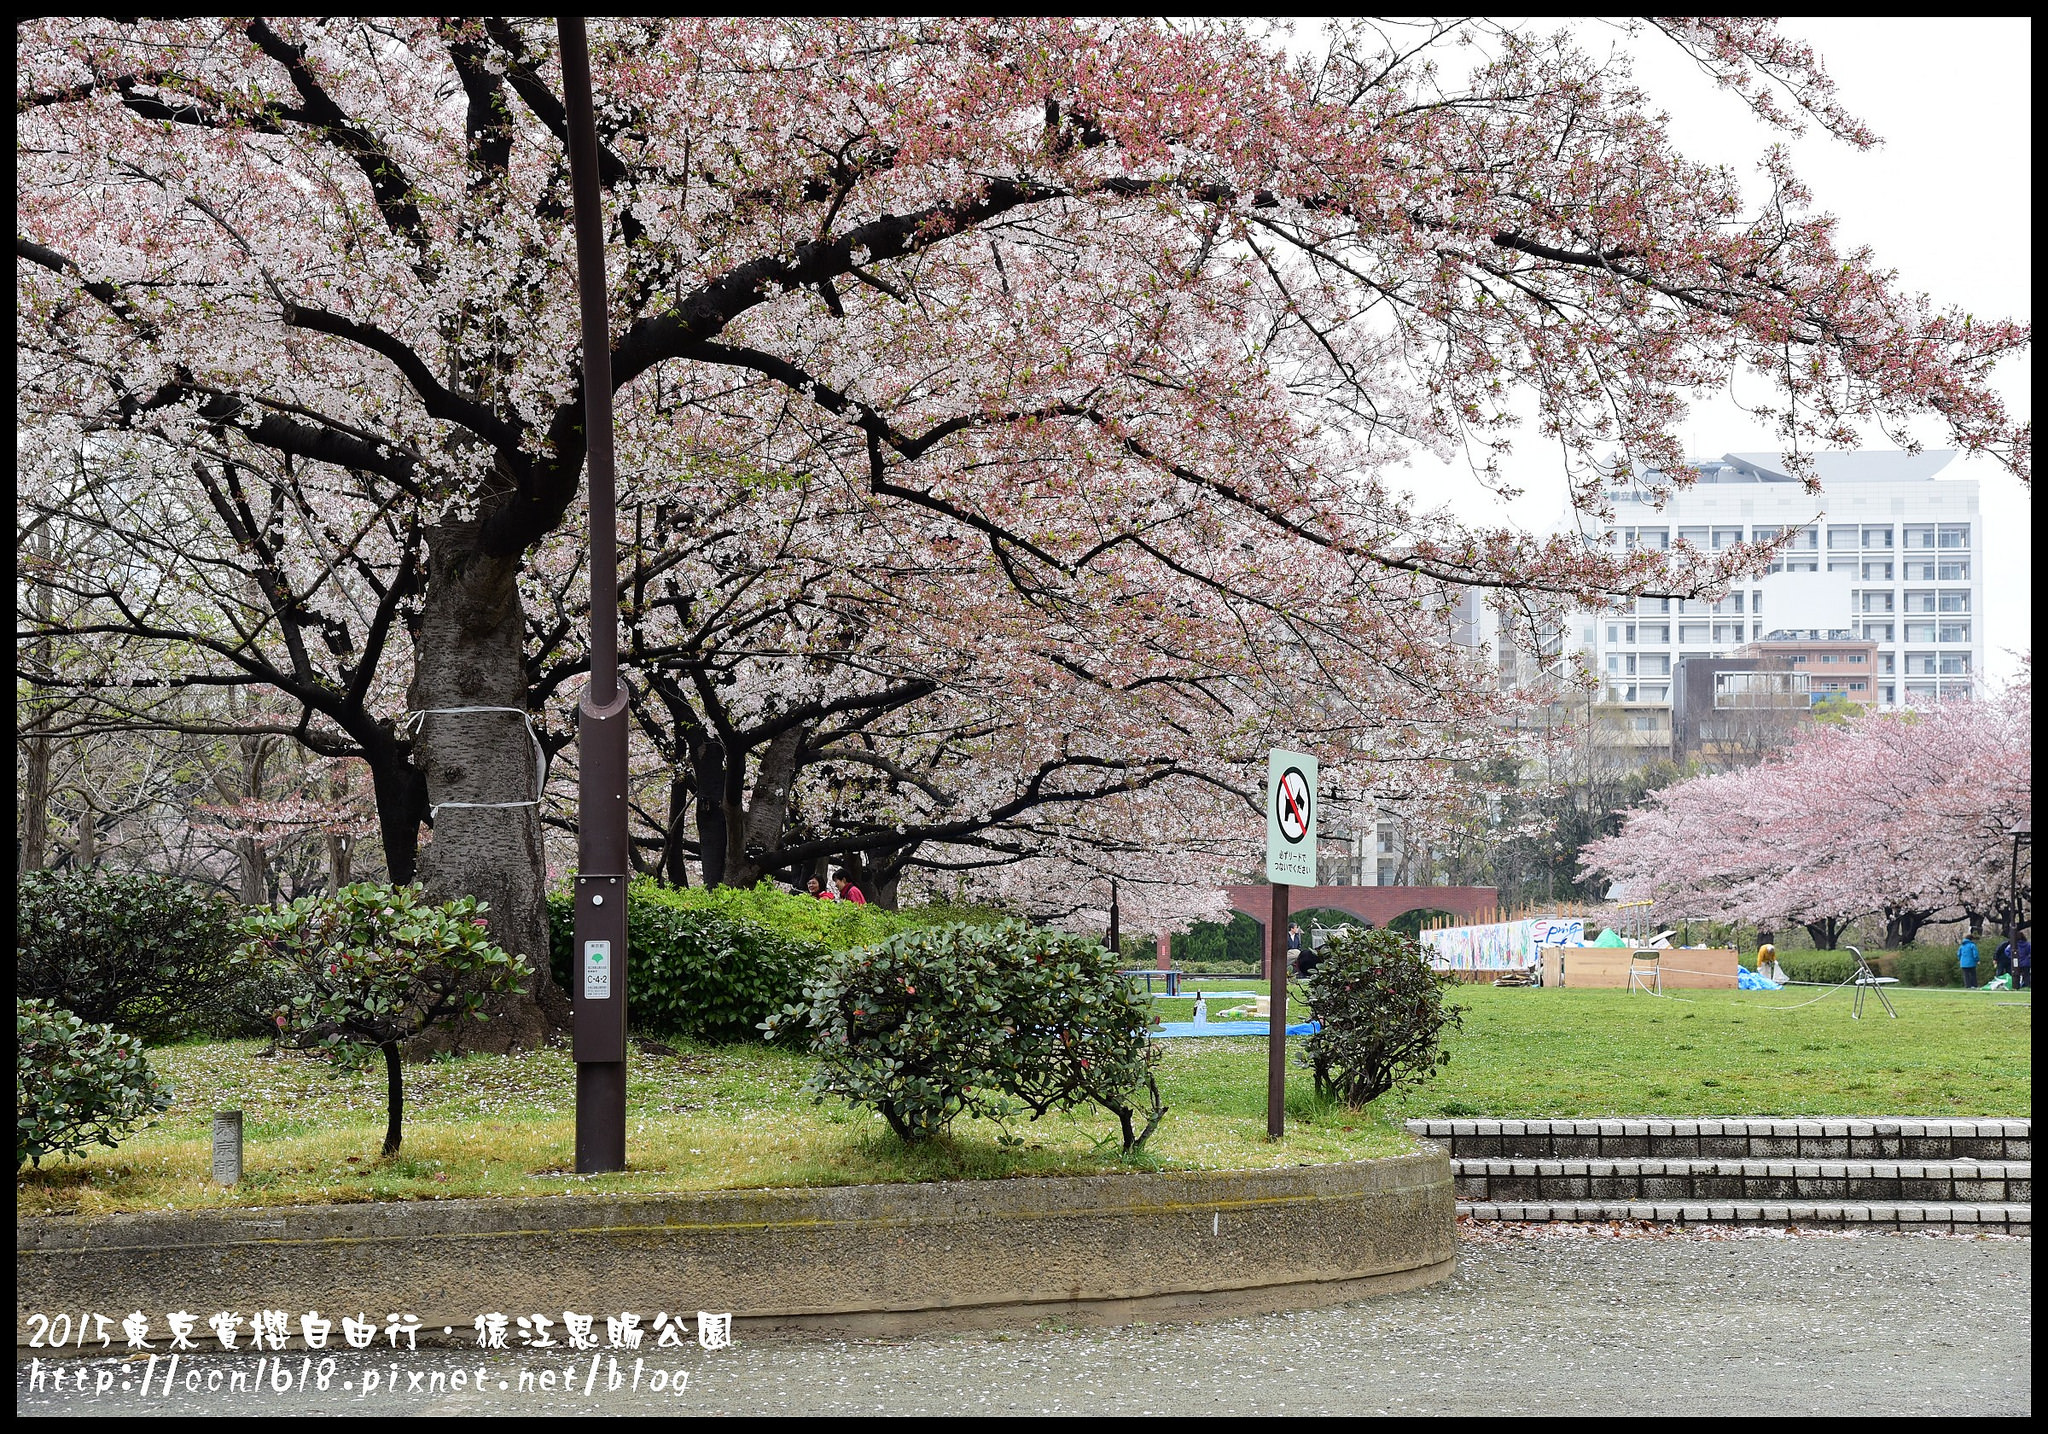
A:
[708,1118]
[1530,1052]
[735,1117]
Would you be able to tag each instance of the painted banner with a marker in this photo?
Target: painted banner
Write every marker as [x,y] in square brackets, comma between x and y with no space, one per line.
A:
[1500,945]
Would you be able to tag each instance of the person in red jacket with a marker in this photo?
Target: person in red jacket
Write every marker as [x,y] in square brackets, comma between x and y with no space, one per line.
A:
[847,890]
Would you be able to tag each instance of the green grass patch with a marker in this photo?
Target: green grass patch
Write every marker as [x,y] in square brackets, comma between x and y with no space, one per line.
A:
[708,1118]
[738,1117]
[1549,1052]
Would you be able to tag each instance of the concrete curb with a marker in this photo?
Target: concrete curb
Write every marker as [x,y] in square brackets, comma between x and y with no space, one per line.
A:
[863,1259]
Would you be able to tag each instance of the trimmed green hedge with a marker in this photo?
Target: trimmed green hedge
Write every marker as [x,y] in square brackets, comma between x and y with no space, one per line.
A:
[713,963]
[1914,966]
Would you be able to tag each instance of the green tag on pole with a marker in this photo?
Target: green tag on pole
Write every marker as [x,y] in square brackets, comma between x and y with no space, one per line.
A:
[1291,813]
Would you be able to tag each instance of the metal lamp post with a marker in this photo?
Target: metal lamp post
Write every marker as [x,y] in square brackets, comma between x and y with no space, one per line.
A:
[598,972]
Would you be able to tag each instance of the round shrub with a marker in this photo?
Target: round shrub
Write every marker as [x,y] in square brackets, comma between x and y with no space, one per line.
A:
[991,1019]
[76,1085]
[373,966]
[1382,1016]
[143,952]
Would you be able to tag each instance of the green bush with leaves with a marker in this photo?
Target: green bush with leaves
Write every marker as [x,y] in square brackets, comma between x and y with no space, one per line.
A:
[993,1019]
[373,966]
[146,953]
[76,1085]
[1381,1016]
[695,970]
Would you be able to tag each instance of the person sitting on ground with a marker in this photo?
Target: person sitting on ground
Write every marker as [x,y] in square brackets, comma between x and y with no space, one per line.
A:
[2001,959]
[1966,957]
[847,890]
[1767,958]
[2022,961]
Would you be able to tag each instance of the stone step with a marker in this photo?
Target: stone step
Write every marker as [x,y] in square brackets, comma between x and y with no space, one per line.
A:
[1733,1139]
[1959,1218]
[1719,1181]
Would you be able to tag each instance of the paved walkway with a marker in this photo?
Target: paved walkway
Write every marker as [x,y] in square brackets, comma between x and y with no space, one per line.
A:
[1554,1322]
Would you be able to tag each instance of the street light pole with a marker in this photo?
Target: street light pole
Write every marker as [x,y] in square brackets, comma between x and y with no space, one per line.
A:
[597,979]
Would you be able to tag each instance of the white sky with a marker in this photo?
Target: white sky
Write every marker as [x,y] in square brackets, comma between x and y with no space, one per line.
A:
[1946,200]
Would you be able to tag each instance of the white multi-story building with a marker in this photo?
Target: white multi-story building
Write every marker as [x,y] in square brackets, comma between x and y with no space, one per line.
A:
[1884,553]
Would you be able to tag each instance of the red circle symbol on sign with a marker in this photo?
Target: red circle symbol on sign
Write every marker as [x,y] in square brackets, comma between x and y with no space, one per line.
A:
[1291,804]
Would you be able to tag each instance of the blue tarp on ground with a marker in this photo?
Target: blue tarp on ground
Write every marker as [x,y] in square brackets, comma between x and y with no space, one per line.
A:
[1748,980]
[1167,1030]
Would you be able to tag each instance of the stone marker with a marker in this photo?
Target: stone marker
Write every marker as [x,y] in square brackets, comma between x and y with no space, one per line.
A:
[227,1147]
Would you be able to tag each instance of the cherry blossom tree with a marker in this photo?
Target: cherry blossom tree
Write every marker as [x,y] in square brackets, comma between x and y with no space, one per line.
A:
[1109,332]
[1907,815]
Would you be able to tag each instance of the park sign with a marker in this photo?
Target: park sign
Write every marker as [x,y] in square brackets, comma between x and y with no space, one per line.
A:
[1291,814]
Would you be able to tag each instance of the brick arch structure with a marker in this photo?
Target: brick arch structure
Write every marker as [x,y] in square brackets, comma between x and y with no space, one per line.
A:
[1377,904]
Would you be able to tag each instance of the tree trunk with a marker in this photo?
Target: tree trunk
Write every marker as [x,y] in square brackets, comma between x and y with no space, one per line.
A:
[85,855]
[394,1099]
[401,793]
[709,762]
[337,863]
[673,868]
[754,828]
[1824,933]
[33,854]
[470,653]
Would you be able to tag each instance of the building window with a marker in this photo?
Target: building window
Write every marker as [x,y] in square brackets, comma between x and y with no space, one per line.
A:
[1955,662]
[1887,663]
[1694,632]
[1800,565]
[1955,535]
[1727,632]
[1919,602]
[1807,539]
[1730,603]
[1920,535]
[1955,632]
[1877,572]
[1658,538]
[1843,537]
[1644,722]
[1696,536]
[1952,570]
[1619,692]
[1920,572]
[1955,602]
[1919,632]
[1656,632]
[1842,565]
[1764,535]
[1858,686]
[1655,664]
[1919,664]
[1877,632]
[1887,693]
[1920,691]
[1877,602]
[1877,537]
[1653,605]
[1727,537]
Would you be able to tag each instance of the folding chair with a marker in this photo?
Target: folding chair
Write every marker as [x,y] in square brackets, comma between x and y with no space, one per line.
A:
[1867,981]
[1654,982]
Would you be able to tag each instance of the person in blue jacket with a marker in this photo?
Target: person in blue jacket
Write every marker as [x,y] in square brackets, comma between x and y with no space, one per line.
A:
[2022,961]
[1966,957]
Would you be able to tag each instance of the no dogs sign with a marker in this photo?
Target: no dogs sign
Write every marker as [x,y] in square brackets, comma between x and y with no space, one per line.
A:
[1291,819]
